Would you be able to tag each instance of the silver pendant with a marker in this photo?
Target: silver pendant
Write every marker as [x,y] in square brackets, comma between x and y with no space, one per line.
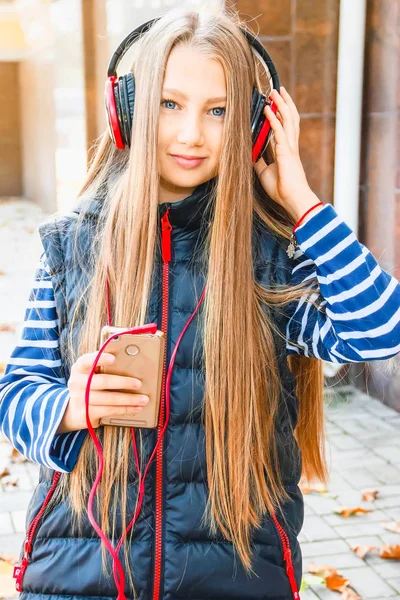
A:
[291,249]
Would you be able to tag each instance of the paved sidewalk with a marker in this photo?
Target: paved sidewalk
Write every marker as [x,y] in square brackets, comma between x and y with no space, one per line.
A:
[363,448]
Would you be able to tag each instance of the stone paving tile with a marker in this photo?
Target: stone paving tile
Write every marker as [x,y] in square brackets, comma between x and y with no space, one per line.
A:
[18,519]
[368,583]
[376,515]
[339,561]
[321,505]
[308,594]
[6,525]
[384,568]
[358,529]
[395,583]
[329,547]
[11,543]
[316,529]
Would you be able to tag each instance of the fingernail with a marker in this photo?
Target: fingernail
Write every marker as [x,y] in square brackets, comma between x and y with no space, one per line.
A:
[144,400]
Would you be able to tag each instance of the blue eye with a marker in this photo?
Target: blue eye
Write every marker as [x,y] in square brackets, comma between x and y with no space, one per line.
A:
[219,108]
[167,101]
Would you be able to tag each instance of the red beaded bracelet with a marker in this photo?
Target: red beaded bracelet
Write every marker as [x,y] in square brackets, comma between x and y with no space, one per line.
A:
[291,249]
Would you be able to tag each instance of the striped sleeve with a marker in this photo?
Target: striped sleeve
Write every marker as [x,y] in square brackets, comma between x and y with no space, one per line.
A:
[357,317]
[33,390]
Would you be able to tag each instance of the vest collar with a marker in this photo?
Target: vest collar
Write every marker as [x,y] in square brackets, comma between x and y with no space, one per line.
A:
[189,213]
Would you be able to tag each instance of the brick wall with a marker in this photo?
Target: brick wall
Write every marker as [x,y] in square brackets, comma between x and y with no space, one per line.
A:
[302,38]
[10,138]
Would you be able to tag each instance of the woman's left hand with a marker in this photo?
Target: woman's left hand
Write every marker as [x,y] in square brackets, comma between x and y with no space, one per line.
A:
[285,180]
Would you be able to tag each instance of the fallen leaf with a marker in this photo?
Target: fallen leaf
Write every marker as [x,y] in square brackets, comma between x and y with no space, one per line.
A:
[321,570]
[7,583]
[10,482]
[349,594]
[392,551]
[307,488]
[369,495]
[308,579]
[362,550]
[4,470]
[336,582]
[2,272]
[10,558]
[2,367]
[17,457]
[29,229]
[347,512]
[393,526]
[6,327]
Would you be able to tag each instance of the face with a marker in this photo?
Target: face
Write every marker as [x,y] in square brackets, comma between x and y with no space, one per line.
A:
[192,114]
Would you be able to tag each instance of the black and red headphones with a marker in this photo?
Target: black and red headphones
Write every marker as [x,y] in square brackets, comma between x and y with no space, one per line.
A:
[120,95]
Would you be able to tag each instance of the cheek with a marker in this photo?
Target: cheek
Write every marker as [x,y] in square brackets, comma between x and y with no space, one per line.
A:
[216,136]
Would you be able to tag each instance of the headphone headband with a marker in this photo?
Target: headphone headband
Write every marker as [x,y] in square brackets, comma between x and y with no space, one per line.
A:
[132,37]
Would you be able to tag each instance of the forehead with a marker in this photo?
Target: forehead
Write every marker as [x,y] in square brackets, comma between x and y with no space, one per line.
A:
[188,70]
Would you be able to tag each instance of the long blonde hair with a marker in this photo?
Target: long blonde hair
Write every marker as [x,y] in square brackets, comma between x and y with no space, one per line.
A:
[242,383]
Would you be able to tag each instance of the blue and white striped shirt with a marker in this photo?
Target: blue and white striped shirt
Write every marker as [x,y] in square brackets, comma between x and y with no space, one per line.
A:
[357,320]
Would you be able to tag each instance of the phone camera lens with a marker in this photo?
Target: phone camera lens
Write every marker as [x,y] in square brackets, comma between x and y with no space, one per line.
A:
[132,350]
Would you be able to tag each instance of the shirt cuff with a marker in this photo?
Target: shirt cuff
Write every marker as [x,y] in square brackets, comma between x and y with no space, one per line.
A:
[313,233]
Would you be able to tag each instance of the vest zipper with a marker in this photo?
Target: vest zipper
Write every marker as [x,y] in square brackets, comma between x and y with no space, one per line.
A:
[19,570]
[287,555]
[166,229]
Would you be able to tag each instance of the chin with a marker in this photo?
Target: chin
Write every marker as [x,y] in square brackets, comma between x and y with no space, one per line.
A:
[186,179]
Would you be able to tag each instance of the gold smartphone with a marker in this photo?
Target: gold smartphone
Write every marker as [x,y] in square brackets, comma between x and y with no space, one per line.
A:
[142,356]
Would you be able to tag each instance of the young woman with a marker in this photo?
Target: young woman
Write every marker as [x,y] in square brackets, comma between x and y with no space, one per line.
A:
[241,406]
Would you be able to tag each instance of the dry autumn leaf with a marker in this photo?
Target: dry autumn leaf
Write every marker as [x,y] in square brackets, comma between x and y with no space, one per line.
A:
[362,551]
[7,583]
[17,457]
[307,488]
[2,367]
[7,327]
[336,582]
[4,470]
[393,526]
[369,495]
[349,594]
[333,580]
[347,512]
[392,551]
[321,570]
[10,482]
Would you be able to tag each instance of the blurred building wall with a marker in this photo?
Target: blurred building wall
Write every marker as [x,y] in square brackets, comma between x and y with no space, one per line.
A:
[302,38]
[379,209]
[10,131]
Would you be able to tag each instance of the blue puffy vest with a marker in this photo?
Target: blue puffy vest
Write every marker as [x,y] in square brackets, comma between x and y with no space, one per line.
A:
[172,556]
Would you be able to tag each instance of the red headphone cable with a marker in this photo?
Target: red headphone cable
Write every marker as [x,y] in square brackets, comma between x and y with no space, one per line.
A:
[118,572]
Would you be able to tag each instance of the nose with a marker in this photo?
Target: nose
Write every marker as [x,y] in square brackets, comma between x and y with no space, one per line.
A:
[191,133]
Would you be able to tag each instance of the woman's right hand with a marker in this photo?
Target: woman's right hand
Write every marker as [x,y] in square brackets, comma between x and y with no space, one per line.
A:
[103,401]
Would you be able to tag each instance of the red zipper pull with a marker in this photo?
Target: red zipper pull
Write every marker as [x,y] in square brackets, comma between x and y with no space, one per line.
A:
[166,229]
[290,572]
[19,572]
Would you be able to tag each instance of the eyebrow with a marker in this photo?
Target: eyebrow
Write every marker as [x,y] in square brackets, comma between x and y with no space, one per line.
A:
[178,93]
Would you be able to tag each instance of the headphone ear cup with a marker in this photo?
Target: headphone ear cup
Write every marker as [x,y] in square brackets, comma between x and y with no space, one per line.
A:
[130,103]
[257,122]
[125,116]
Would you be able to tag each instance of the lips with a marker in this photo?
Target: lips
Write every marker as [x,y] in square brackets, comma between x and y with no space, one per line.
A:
[190,162]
